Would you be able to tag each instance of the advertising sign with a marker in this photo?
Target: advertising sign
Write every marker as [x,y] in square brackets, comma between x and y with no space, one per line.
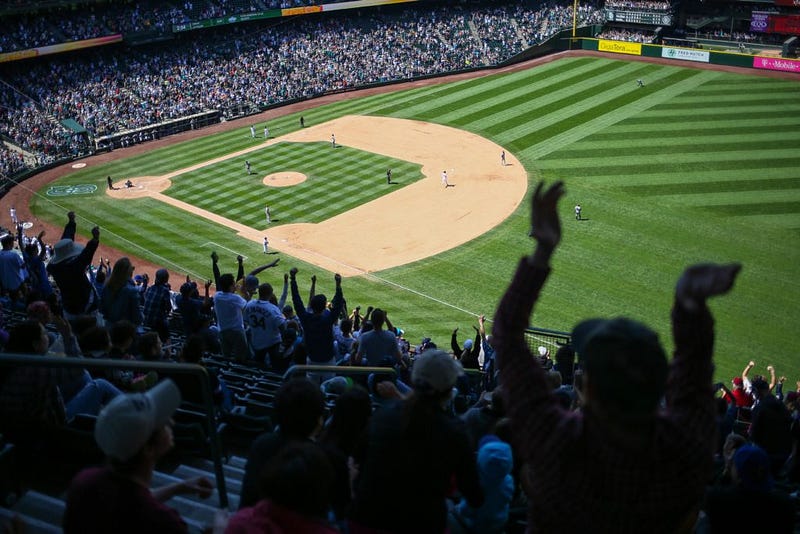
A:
[684,54]
[620,47]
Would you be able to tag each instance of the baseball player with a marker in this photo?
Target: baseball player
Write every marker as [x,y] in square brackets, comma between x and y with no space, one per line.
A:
[577,212]
[12,211]
[333,141]
[388,176]
[444,180]
[247,166]
[252,132]
[266,132]
[266,244]
[503,158]
[266,212]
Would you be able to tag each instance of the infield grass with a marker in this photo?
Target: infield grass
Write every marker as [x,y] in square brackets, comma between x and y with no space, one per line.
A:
[695,166]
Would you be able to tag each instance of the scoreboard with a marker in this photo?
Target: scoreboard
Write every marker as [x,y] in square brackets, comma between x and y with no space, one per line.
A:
[639,17]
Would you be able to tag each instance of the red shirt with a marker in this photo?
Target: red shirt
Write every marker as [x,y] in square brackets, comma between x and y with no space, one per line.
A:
[100,500]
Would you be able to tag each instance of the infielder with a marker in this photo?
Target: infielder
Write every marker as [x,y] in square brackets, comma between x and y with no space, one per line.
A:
[388,176]
[247,166]
[503,158]
[252,132]
[444,180]
[266,244]
[266,212]
[333,141]
[577,212]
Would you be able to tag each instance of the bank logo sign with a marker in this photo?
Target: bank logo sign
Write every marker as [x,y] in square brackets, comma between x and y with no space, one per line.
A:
[66,190]
[685,54]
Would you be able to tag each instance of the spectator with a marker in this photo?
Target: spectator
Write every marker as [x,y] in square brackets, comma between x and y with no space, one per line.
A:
[229,307]
[12,269]
[120,300]
[48,395]
[298,413]
[318,324]
[417,448]
[623,487]
[378,347]
[771,425]
[296,494]
[158,305]
[134,432]
[750,502]
[495,463]
[192,308]
[266,324]
[68,268]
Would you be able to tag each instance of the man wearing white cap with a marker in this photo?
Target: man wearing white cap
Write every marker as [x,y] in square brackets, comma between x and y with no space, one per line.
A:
[68,268]
[134,431]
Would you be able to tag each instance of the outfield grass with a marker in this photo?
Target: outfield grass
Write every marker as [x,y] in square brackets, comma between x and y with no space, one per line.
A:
[696,166]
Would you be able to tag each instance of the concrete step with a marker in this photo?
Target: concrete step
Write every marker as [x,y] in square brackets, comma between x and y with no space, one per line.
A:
[238,461]
[184,471]
[33,525]
[162,479]
[231,472]
[40,506]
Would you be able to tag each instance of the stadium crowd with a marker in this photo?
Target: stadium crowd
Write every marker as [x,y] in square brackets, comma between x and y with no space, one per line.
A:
[620,34]
[256,66]
[621,429]
[60,24]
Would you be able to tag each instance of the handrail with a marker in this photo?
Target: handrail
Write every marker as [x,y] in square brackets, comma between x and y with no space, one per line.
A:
[351,370]
[8,360]
[337,369]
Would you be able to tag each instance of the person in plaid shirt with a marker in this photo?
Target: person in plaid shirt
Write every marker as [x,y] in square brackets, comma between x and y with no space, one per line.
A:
[158,305]
[625,462]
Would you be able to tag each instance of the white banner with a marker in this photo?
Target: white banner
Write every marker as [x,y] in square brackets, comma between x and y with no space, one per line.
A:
[685,54]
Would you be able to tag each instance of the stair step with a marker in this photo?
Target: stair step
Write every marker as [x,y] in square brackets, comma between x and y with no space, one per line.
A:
[162,479]
[238,461]
[194,512]
[33,525]
[44,507]
[184,471]
[232,472]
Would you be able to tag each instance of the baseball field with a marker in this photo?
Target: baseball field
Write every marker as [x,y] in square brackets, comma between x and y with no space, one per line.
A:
[697,165]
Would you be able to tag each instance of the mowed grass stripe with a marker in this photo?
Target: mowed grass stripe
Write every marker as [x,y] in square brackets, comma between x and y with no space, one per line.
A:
[658,146]
[567,113]
[716,186]
[539,100]
[718,129]
[476,103]
[669,162]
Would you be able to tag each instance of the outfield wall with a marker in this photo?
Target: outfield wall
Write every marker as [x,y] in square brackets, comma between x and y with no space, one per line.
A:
[712,57]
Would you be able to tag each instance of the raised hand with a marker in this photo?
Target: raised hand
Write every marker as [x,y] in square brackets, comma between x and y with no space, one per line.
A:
[545,223]
[337,278]
[704,280]
[293,272]
[96,232]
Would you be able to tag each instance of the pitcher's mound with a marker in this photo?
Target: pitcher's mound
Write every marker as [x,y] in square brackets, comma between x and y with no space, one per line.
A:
[284,179]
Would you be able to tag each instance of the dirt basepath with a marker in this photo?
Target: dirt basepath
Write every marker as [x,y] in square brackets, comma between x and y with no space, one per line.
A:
[21,195]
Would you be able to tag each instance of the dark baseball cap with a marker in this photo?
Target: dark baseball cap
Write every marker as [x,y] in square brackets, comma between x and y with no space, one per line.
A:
[624,360]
